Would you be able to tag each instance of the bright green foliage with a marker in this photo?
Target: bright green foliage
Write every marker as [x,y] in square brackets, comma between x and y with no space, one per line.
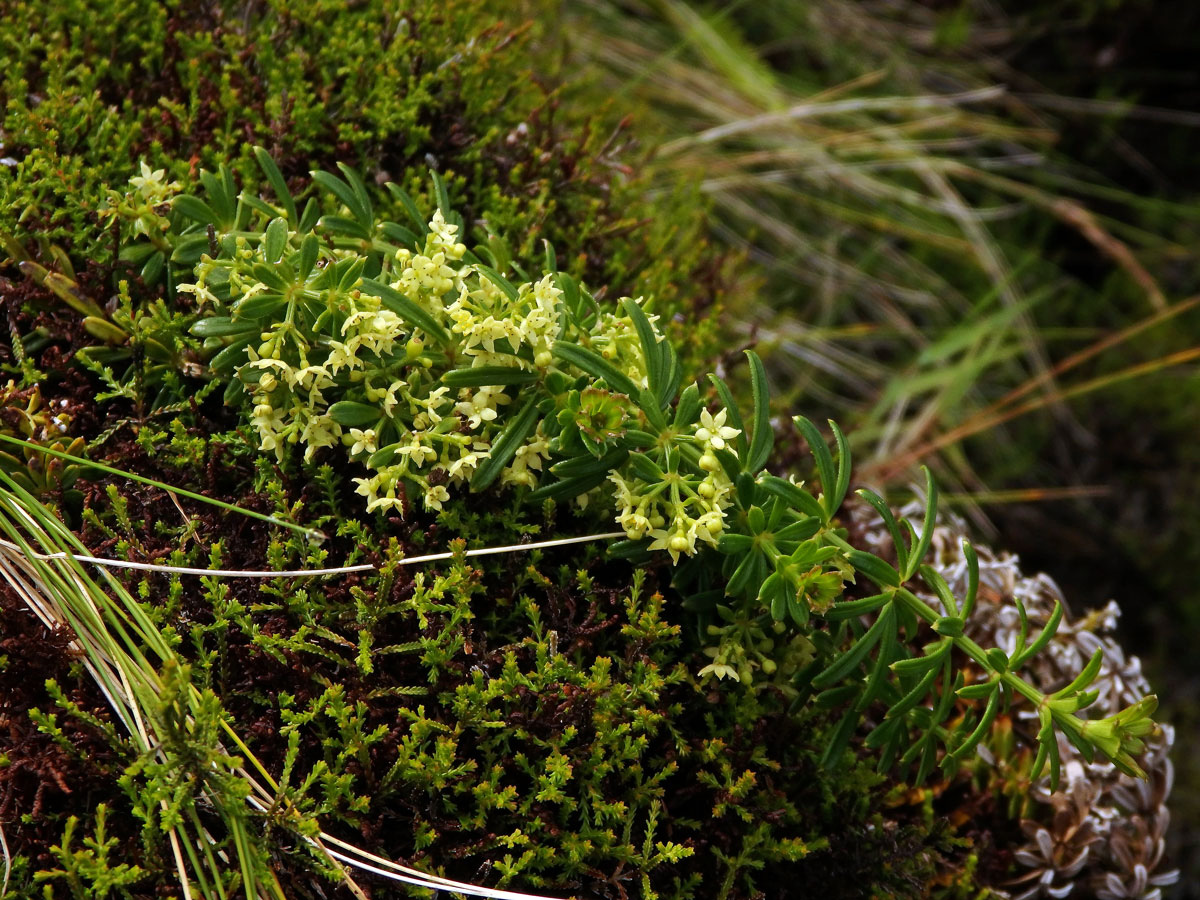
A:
[89,872]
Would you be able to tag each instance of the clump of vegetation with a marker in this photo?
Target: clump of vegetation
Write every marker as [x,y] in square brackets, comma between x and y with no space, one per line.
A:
[741,689]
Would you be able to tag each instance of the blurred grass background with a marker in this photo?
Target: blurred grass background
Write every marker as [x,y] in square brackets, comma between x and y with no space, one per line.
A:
[975,234]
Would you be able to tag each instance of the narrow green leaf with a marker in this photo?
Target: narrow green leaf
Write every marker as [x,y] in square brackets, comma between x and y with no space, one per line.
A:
[354,415]
[568,488]
[764,437]
[484,376]
[852,609]
[824,460]
[934,579]
[310,249]
[794,495]
[646,469]
[257,307]
[224,362]
[843,468]
[927,527]
[655,368]
[985,722]
[840,739]
[874,568]
[688,408]
[505,447]
[972,558]
[410,208]
[933,657]
[274,240]
[196,209]
[1086,677]
[405,309]
[443,197]
[857,652]
[278,184]
[345,193]
[889,522]
[595,365]
[219,326]
[360,194]
[918,693]
[587,466]
[507,287]
[1043,639]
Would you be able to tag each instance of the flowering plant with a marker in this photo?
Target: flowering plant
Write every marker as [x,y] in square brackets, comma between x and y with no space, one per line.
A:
[438,373]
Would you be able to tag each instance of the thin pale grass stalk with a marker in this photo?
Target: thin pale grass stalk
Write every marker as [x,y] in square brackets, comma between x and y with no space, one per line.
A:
[812,110]
[307,573]
[109,633]
[981,424]
[310,533]
[973,424]
[7,861]
[1024,495]
[809,170]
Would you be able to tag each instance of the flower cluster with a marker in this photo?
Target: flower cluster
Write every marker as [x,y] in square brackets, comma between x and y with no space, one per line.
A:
[673,506]
[417,358]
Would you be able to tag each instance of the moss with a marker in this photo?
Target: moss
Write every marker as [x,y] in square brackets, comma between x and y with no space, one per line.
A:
[460,86]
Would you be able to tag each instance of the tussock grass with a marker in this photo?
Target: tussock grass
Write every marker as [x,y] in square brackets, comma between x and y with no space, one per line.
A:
[896,197]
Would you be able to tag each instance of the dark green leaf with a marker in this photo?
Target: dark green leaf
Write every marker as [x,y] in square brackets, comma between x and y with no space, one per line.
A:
[507,287]
[857,652]
[483,376]
[346,194]
[587,466]
[275,240]
[219,326]
[949,626]
[688,408]
[595,365]
[310,249]
[914,696]
[257,306]
[505,447]
[889,521]
[824,460]
[410,208]
[354,415]
[656,368]
[852,609]
[278,185]
[874,568]
[195,208]
[360,194]
[568,487]
[646,468]
[843,468]
[405,309]
[840,739]
[228,359]
[764,437]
